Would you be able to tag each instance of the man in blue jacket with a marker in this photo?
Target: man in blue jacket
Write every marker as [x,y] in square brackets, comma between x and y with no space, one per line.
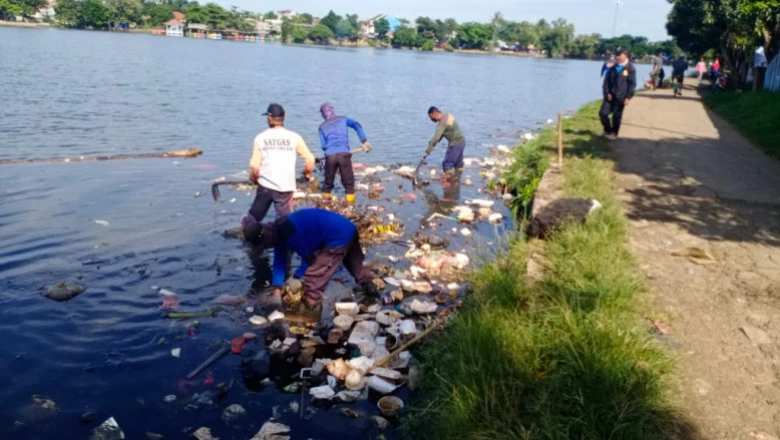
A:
[323,239]
[334,137]
[619,87]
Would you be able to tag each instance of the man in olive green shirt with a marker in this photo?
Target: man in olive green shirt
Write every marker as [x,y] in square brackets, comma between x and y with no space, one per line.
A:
[447,127]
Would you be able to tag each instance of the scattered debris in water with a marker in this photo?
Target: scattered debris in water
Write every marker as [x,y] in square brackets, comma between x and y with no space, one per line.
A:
[64,291]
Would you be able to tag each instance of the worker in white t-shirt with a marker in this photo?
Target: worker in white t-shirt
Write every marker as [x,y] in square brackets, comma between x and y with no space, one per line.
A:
[272,167]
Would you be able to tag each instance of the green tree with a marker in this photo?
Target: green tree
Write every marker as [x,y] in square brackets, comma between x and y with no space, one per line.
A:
[321,34]
[428,45]
[195,13]
[405,37]
[426,28]
[344,29]
[733,28]
[287,30]
[303,19]
[95,13]
[381,27]
[586,46]
[157,13]
[558,39]
[474,35]
[270,15]
[68,12]
[124,11]
[216,16]
[331,20]
[299,34]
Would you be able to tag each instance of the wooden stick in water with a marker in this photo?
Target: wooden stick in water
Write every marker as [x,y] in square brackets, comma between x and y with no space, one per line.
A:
[214,357]
[406,346]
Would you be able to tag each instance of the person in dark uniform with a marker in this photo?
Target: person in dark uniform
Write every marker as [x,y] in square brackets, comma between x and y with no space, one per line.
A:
[678,74]
[619,86]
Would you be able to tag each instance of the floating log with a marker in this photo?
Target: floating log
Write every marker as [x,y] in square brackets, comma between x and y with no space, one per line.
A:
[180,154]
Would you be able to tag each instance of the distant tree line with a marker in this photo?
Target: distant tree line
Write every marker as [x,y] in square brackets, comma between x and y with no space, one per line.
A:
[98,13]
[731,29]
[556,38]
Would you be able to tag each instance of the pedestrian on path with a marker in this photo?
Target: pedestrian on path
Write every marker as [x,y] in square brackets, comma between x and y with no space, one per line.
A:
[715,72]
[701,67]
[324,240]
[679,66]
[607,65]
[272,167]
[619,87]
[334,138]
[447,127]
[658,67]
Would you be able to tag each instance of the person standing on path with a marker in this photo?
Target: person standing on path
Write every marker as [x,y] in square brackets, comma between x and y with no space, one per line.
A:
[619,87]
[334,138]
[272,167]
[715,72]
[679,66]
[447,127]
[701,67]
[658,65]
[324,240]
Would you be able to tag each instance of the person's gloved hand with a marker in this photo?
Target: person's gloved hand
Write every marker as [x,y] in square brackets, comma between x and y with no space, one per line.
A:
[366,146]
[293,285]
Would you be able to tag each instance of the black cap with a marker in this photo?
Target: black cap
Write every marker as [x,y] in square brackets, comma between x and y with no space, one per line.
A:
[275,111]
[620,51]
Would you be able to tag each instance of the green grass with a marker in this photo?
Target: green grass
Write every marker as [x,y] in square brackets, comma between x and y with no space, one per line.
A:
[754,114]
[565,358]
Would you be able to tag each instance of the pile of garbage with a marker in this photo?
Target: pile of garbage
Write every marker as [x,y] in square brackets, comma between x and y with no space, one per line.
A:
[359,348]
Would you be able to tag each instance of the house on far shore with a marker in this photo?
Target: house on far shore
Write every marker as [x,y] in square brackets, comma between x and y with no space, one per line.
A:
[174,28]
[196,30]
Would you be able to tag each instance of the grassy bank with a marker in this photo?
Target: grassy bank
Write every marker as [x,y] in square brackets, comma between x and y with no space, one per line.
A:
[754,114]
[565,358]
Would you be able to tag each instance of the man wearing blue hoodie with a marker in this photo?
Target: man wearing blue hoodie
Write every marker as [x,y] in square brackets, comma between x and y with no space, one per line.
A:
[323,239]
[334,137]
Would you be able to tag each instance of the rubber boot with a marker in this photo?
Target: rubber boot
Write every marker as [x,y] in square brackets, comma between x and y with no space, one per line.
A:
[350,199]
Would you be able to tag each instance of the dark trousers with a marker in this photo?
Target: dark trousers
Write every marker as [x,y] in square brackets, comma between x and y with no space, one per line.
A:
[283,203]
[453,158]
[341,162]
[327,262]
[614,107]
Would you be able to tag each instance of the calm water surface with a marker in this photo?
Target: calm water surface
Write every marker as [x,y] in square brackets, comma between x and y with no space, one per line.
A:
[71,93]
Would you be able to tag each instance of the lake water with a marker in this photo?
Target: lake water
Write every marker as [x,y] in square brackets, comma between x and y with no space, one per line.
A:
[72,93]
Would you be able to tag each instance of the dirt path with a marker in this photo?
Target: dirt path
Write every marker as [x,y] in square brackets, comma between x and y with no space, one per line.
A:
[687,179]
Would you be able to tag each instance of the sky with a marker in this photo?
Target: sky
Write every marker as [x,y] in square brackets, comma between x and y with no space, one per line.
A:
[637,17]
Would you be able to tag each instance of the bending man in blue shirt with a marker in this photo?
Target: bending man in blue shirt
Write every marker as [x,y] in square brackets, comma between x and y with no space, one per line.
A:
[323,239]
[334,137]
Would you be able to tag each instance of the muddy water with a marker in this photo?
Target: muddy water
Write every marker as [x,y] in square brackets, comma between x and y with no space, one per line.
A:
[124,227]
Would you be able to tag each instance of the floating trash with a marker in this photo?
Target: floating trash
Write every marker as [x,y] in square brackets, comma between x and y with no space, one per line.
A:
[343,322]
[108,430]
[258,320]
[176,352]
[276,316]
[272,431]
[389,406]
[166,292]
[102,223]
[324,392]
[64,291]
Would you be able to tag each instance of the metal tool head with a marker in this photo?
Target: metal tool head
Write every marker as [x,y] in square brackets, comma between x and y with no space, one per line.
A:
[215,191]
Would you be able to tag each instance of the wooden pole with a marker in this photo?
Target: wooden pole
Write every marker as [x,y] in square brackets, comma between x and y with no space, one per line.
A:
[560,140]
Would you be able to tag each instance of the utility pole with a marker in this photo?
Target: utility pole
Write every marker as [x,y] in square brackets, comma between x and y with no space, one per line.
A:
[618,4]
